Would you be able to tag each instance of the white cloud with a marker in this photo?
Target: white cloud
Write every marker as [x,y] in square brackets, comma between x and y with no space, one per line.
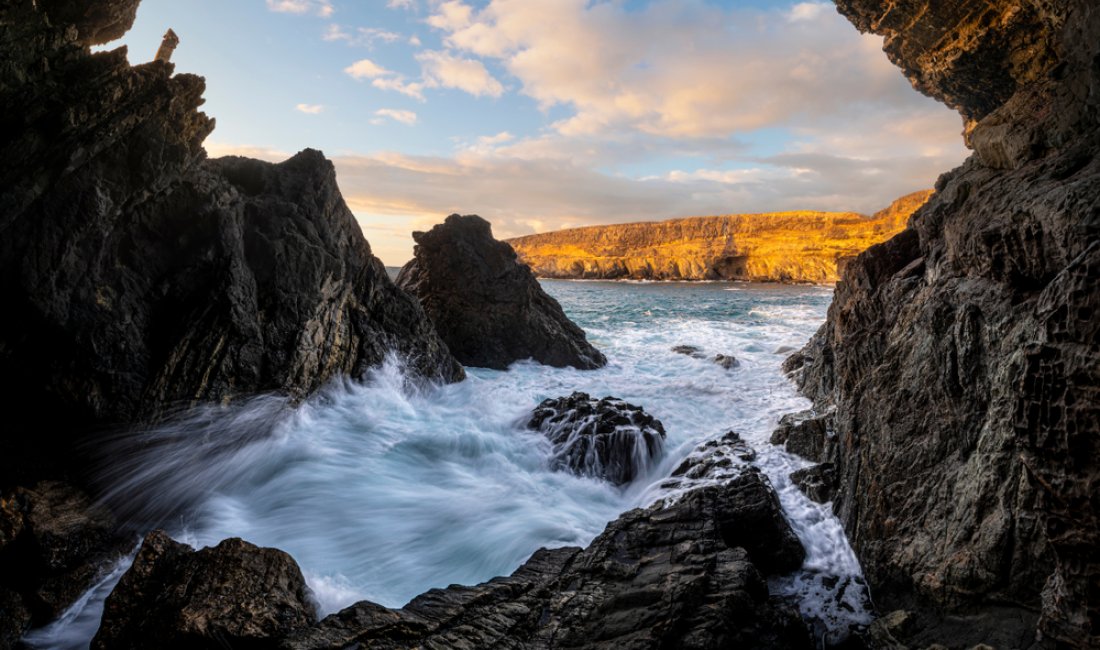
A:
[401,4]
[451,15]
[321,8]
[309,109]
[412,89]
[366,69]
[445,70]
[414,41]
[809,11]
[397,115]
[360,36]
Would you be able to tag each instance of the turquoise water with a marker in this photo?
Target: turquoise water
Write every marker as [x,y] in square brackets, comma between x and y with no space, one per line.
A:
[381,489]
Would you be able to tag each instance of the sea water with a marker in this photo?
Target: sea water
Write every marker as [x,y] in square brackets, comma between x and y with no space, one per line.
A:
[383,488]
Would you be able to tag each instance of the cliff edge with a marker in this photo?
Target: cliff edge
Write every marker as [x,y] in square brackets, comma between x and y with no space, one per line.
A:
[962,357]
[776,247]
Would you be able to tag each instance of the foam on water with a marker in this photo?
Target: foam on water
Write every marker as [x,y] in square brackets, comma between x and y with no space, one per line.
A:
[382,489]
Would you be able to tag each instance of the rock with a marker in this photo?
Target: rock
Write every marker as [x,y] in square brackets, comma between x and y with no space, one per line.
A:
[784,349]
[724,458]
[15,618]
[963,355]
[488,307]
[817,482]
[53,541]
[606,438]
[231,595]
[689,350]
[663,577]
[139,275]
[780,247]
[806,435]
[726,361]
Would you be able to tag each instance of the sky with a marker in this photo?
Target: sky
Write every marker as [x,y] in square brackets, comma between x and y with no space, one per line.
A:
[547,114]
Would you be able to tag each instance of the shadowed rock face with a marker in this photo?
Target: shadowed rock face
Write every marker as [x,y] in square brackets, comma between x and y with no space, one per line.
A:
[488,307]
[137,275]
[780,247]
[664,577]
[233,595]
[963,356]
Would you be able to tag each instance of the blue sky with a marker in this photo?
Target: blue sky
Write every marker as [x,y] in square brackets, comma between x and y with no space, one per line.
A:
[542,114]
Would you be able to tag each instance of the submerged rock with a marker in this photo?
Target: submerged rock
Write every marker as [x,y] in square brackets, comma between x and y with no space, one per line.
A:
[676,576]
[606,438]
[233,595]
[689,350]
[727,361]
[487,306]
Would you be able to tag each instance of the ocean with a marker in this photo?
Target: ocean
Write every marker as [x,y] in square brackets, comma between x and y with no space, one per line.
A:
[384,488]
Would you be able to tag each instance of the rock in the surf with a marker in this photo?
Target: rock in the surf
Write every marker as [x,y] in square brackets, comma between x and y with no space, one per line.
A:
[489,308]
[232,595]
[817,482]
[604,438]
[691,574]
[727,361]
[807,435]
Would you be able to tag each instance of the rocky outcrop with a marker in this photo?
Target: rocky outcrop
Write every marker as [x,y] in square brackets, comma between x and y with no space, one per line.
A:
[963,356]
[689,575]
[137,275]
[778,247]
[606,438]
[233,595]
[487,307]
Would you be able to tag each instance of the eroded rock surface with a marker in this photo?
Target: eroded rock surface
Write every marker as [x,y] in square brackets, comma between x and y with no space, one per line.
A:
[233,595]
[604,438]
[487,306]
[779,247]
[963,356]
[665,577]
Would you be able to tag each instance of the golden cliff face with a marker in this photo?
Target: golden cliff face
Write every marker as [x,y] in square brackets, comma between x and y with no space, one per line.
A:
[775,247]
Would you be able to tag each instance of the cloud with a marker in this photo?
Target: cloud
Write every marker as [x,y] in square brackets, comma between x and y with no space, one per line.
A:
[397,115]
[401,4]
[360,36]
[413,89]
[366,69]
[309,109]
[445,70]
[321,8]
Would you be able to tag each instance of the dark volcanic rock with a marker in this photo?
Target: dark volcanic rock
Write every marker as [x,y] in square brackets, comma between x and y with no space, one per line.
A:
[727,361]
[664,577]
[138,275]
[817,482]
[605,438]
[806,435]
[963,356]
[233,595]
[488,307]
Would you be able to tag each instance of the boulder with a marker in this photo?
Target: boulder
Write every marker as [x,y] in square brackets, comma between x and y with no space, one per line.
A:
[727,361]
[805,435]
[233,595]
[487,306]
[817,482]
[605,438]
[662,577]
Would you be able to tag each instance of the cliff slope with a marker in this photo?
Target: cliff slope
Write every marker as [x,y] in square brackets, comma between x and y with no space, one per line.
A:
[963,356]
[783,246]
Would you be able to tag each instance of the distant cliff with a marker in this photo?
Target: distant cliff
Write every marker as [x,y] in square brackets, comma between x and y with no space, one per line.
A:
[777,247]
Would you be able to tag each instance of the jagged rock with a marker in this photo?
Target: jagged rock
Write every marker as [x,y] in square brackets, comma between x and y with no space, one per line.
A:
[95,22]
[488,307]
[688,350]
[53,541]
[759,247]
[727,361]
[963,356]
[663,577]
[144,276]
[723,458]
[817,482]
[230,595]
[606,438]
[807,435]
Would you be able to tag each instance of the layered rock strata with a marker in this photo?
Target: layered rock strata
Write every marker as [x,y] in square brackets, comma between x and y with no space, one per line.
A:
[778,247]
[963,356]
[489,308]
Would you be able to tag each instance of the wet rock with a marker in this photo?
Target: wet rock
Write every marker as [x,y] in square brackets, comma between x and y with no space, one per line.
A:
[723,458]
[806,435]
[726,361]
[963,356]
[663,577]
[53,541]
[817,482]
[487,306]
[689,350]
[606,438]
[231,595]
[785,349]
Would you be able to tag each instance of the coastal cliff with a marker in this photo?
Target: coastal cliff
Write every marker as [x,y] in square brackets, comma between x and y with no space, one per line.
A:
[777,247]
[960,361]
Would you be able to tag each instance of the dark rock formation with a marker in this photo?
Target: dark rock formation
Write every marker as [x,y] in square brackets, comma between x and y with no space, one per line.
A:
[140,275]
[665,577]
[53,543]
[817,482]
[605,438]
[963,356]
[688,350]
[233,595]
[807,435]
[727,361]
[488,307]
